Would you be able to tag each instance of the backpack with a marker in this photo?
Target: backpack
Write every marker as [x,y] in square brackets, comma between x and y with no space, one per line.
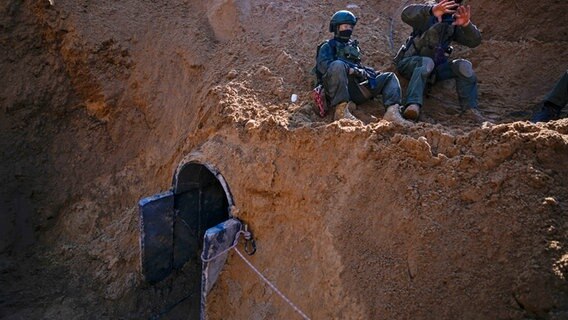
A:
[333,44]
[318,93]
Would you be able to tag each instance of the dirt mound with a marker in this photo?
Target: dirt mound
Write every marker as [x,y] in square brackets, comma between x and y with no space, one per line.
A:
[446,219]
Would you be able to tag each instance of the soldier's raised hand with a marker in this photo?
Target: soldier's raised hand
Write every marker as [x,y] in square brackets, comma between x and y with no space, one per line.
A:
[443,7]
[462,16]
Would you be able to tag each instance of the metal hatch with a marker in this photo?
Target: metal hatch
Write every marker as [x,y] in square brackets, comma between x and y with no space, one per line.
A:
[174,225]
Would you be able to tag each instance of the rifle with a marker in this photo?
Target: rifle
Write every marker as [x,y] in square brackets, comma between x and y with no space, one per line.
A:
[365,72]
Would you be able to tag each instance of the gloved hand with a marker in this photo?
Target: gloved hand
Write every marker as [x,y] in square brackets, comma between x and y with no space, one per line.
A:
[358,72]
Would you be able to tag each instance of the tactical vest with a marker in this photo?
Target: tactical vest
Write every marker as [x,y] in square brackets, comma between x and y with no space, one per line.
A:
[349,51]
[434,42]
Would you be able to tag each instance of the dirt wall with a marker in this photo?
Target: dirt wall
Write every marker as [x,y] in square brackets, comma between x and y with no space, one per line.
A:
[101,101]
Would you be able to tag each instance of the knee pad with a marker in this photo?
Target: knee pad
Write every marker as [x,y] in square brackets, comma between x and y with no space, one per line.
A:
[428,65]
[463,68]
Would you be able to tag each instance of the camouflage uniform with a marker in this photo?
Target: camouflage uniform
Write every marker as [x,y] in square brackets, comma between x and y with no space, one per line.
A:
[425,55]
[342,87]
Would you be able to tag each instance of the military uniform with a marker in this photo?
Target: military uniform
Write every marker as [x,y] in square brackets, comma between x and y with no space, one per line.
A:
[559,94]
[345,81]
[342,87]
[426,55]
[552,105]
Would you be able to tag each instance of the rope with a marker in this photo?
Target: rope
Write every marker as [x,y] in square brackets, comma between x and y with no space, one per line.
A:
[391,36]
[272,286]
[304,316]
[184,222]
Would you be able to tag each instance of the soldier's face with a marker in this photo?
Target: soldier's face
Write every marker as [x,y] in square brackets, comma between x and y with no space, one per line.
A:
[345,26]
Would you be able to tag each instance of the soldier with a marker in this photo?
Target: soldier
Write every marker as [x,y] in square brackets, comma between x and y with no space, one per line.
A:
[346,81]
[550,107]
[425,55]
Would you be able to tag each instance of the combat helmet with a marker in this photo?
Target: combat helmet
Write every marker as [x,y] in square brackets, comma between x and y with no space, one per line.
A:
[342,17]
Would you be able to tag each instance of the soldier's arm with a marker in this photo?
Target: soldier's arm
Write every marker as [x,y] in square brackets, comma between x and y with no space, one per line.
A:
[416,14]
[468,35]
[325,57]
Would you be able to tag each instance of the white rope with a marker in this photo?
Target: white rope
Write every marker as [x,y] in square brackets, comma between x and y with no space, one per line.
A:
[304,316]
[233,246]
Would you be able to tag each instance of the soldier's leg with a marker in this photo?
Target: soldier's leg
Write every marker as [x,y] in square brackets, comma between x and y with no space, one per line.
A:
[559,94]
[417,69]
[466,81]
[551,107]
[466,86]
[388,87]
[335,82]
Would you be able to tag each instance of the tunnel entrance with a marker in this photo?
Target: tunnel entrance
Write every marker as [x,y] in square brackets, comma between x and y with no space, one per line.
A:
[175,226]
[200,202]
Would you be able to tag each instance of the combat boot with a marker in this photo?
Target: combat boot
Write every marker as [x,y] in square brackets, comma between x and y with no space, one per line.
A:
[546,111]
[393,115]
[474,114]
[342,111]
[412,112]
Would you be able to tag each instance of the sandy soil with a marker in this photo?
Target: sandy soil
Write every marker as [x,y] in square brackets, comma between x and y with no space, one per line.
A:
[447,219]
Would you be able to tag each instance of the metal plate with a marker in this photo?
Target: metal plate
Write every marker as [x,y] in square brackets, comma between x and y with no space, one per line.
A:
[216,242]
[156,236]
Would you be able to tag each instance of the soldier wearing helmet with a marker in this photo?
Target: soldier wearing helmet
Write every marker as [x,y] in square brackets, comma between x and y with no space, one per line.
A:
[425,57]
[346,81]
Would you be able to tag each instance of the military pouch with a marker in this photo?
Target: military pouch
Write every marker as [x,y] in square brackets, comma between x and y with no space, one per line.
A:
[320,101]
[440,56]
[350,52]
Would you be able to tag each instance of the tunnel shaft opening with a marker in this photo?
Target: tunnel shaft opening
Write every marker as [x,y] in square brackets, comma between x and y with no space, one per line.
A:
[200,202]
[173,225]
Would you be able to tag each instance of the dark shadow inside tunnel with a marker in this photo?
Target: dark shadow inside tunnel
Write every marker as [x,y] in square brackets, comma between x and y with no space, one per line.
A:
[200,202]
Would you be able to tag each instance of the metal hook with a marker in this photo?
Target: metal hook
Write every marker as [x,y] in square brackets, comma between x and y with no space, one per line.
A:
[250,244]
[250,250]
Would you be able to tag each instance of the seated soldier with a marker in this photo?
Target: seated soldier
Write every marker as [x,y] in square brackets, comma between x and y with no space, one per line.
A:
[551,106]
[346,82]
[425,55]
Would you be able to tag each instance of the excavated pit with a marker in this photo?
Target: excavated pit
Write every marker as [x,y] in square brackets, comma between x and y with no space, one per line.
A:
[103,102]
